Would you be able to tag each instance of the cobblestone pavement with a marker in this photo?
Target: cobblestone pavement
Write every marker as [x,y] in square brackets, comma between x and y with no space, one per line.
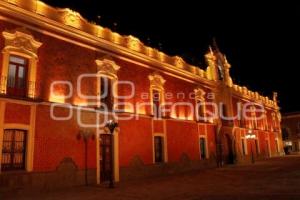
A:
[277,178]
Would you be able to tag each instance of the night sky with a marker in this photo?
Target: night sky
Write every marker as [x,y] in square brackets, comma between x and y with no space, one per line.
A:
[261,41]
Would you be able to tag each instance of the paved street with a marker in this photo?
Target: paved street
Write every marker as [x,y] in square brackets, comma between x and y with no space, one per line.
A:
[278,178]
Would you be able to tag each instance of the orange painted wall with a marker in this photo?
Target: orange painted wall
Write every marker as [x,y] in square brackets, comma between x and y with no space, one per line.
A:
[262,142]
[201,129]
[211,140]
[55,140]
[17,113]
[182,138]
[158,126]
[272,143]
[135,139]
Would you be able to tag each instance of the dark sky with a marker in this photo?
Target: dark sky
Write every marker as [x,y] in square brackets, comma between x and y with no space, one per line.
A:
[261,41]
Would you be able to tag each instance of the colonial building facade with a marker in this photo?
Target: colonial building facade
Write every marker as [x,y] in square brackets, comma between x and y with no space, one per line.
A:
[63,79]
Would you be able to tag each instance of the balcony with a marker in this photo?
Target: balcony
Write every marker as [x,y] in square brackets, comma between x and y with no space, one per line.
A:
[25,91]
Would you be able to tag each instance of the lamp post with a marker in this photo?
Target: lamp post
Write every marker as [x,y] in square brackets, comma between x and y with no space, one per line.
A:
[250,135]
[111,125]
[86,135]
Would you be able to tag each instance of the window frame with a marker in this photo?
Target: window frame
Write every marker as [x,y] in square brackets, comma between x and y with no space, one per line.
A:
[16,82]
[27,49]
[106,67]
[205,147]
[200,100]
[162,159]
[113,91]
[245,144]
[25,146]
[157,83]
[164,150]
[156,104]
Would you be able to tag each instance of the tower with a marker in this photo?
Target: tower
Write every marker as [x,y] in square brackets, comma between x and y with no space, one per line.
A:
[218,66]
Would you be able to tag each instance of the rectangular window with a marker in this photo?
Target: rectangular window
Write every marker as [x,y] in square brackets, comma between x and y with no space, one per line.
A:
[243,147]
[200,111]
[202,148]
[158,149]
[17,76]
[156,98]
[13,150]
[106,97]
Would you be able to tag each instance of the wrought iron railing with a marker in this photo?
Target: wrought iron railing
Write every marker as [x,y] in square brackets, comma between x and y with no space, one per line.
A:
[29,89]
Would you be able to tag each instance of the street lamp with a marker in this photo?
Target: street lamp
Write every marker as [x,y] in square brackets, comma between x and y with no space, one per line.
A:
[85,135]
[111,125]
[250,135]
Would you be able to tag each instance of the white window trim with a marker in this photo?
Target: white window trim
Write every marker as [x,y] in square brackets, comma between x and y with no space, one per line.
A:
[115,151]
[277,145]
[21,43]
[165,152]
[199,97]
[157,83]
[30,128]
[206,147]
[245,144]
[107,68]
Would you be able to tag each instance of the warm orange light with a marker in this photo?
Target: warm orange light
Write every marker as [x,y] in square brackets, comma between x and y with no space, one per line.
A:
[71,18]
[128,108]
[173,114]
[55,98]
[142,110]
[80,102]
[182,113]
[190,116]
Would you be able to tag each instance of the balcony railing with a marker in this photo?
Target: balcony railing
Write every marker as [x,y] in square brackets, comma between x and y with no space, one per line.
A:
[29,91]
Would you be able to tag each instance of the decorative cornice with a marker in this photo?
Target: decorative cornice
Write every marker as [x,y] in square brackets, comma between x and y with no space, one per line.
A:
[71,23]
[156,80]
[50,21]
[21,39]
[107,66]
[199,94]
[71,18]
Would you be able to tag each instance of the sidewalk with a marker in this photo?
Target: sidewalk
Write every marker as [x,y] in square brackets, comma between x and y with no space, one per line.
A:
[277,178]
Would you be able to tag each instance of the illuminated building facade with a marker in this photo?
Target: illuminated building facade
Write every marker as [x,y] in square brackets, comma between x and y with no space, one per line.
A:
[54,67]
